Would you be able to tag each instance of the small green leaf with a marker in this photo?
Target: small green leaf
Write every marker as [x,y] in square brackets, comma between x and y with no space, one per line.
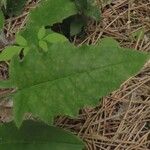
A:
[9,52]
[76,26]
[89,8]
[138,34]
[81,5]
[41,33]
[93,10]
[20,40]
[110,42]
[37,136]
[43,45]
[1,20]
[55,38]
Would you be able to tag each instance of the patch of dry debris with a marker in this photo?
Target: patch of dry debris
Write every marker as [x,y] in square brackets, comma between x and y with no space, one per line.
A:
[122,20]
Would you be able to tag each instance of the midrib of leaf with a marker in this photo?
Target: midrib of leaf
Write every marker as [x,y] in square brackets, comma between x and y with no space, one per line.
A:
[72,75]
[52,82]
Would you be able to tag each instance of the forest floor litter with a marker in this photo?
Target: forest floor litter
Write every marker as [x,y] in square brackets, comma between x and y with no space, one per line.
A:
[121,121]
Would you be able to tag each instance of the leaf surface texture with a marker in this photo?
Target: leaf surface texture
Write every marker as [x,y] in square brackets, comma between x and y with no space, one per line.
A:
[66,78]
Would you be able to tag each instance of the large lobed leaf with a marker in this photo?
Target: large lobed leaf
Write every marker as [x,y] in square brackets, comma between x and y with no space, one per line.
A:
[66,78]
[37,136]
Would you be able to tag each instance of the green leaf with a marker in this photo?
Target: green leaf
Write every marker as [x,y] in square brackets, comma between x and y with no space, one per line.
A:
[109,41]
[55,38]
[89,8]
[48,12]
[93,10]
[81,5]
[138,34]
[76,26]
[20,40]
[41,33]
[9,52]
[43,45]
[37,136]
[67,78]
[1,20]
